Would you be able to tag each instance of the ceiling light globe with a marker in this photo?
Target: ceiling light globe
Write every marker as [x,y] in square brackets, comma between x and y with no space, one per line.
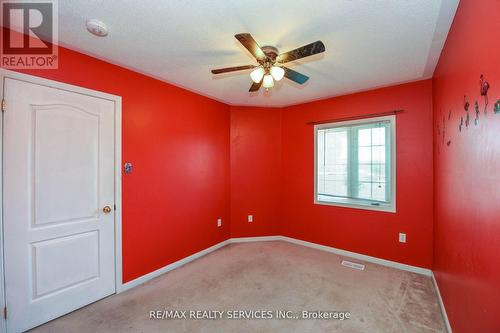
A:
[277,73]
[257,74]
[268,81]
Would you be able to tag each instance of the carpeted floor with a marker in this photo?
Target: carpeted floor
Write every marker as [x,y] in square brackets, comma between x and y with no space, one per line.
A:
[265,277]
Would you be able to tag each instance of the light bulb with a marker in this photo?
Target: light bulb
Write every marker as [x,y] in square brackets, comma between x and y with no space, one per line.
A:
[277,73]
[257,74]
[268,81]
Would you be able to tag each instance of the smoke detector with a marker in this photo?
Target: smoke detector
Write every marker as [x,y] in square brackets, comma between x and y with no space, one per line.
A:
[97,28]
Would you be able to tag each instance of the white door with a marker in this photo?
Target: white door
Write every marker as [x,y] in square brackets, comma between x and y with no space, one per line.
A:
[58,202]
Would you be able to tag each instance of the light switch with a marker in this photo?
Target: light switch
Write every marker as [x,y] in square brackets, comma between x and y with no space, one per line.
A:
[402,237]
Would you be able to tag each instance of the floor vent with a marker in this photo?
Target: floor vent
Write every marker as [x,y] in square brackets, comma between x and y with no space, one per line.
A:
[353,265]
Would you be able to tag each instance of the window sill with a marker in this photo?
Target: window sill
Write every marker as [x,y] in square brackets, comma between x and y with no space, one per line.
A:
[355,204]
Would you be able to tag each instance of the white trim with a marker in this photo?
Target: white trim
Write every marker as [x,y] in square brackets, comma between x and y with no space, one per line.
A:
[174,265]
[118,195]
[354,255]
[165,269]
[145,278]
[58,85]
[255,239]
[344,253]
[441,304]
[117,100]
[3,322]
[356,203]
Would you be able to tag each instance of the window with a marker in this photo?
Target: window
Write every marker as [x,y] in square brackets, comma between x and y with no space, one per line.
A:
[355,164]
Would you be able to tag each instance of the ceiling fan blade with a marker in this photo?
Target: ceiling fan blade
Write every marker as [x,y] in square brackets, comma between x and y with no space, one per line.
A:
[251,45]
[232,69]
[295,76]
[302,52]
[256,86]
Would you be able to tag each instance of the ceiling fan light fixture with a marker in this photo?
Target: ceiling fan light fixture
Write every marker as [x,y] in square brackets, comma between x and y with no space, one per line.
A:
[265,73]
[277,72]
[268,81]
[257,74]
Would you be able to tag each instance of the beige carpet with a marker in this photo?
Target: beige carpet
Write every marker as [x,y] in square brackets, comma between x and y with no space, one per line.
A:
[267,276]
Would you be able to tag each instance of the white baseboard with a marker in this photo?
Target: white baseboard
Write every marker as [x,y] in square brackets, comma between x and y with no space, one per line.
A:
[344,253]
[168,268]
[354,255]
[255,239]
[441,304]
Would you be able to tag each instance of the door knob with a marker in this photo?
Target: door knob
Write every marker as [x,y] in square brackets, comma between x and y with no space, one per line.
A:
[106,209]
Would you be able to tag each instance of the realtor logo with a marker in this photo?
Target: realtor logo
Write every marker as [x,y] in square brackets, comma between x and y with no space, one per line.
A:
[29,34]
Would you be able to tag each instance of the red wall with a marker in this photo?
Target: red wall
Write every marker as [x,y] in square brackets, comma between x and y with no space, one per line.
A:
[190,151]
[234,161]
[272,170]
[178,143]
[367,232]
[255,171]
[467,173]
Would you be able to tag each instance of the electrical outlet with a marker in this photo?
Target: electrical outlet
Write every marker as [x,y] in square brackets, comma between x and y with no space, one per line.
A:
[402,237]
[250,218]
[219,222]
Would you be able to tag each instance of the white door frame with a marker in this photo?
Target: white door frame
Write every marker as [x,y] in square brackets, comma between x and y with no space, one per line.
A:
[118,172]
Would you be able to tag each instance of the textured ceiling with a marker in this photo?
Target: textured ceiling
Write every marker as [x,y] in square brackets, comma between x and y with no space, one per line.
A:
[369,43]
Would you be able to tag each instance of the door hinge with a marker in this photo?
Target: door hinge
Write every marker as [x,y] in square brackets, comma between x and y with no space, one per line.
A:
[114,206]
[5,312]
[4,105]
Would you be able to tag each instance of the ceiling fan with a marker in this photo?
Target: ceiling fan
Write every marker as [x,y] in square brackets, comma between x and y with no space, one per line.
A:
[270,67]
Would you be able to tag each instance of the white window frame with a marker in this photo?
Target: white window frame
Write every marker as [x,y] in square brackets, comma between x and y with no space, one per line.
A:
[359,203]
